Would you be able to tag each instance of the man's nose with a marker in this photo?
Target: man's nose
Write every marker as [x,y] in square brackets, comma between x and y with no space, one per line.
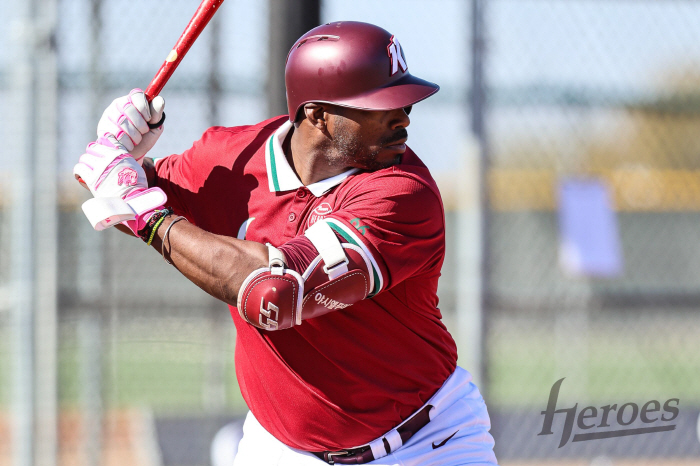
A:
[399,118]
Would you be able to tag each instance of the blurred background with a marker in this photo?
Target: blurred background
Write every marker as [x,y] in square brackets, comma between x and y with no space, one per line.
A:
[566,143]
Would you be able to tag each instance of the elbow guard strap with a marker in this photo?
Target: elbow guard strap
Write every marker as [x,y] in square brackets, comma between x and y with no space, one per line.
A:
[338,278]
[275,297]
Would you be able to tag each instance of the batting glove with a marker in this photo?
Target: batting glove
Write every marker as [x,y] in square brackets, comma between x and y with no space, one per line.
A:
[127,119]
[119,185]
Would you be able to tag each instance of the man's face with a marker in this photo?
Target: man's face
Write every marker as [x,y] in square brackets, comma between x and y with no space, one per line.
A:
[364,139]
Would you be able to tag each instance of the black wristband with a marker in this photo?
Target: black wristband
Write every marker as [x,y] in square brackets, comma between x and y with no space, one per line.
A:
[146,233]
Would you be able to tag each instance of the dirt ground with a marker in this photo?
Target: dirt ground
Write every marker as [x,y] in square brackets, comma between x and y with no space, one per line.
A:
[606,462]
[122,442]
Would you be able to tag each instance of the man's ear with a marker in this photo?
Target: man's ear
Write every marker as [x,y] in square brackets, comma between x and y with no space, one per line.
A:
[316,115]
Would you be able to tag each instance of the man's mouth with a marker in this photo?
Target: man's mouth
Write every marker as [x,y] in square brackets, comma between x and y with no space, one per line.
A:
[397,139]
[398,142]
[398,145]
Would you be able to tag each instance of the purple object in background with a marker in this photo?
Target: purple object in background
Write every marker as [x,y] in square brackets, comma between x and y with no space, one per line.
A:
[589,240]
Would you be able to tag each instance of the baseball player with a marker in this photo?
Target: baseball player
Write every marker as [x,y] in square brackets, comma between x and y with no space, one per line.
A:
[324,233]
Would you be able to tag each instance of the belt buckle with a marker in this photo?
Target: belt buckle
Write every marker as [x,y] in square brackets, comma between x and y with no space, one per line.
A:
[331,454]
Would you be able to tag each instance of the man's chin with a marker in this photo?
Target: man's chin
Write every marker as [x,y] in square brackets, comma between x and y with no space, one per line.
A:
[384,162]
[394,161]
[376,160]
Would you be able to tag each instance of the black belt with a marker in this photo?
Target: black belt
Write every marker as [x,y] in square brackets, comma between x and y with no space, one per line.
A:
[363,454]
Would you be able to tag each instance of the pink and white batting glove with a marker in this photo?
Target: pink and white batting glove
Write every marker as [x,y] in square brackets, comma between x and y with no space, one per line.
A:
[127,119]
[119,185]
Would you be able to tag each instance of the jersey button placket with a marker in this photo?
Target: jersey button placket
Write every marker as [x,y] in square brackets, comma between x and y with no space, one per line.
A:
[301,198]
[290,231]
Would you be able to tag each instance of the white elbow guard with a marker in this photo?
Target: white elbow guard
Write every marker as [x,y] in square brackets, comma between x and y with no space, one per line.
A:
[275,297]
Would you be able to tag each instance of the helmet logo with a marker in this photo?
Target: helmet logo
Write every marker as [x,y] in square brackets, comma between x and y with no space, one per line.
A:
[396,56]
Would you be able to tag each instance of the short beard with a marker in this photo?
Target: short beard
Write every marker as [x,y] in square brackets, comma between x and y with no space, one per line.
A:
[346,149]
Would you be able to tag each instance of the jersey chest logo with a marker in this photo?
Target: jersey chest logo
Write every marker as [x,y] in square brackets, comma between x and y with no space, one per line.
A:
[396,56]
[320,212]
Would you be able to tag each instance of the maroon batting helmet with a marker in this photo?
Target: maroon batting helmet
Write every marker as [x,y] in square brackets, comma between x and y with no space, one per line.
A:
[351,64]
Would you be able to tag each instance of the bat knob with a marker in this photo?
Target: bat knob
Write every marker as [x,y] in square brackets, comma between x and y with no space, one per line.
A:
[159,124]
[82,183]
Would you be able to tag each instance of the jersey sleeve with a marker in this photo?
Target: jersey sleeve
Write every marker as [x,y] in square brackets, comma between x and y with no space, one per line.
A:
[207,175]
[397,220]
[181,176]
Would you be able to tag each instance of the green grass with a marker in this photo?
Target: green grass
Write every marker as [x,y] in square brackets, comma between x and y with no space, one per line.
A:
[164,365]
[164,369]
[608,366]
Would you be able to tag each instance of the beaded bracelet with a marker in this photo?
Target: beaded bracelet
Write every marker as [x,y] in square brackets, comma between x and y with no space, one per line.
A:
[147,233]
[153,231]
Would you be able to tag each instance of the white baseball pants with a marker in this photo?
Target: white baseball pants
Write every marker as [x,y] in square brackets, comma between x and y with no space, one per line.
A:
[460,417]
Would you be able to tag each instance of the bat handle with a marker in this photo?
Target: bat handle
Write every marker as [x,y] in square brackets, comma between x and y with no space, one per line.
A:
[150,125]
[151,92]
[158,82]
[198,22]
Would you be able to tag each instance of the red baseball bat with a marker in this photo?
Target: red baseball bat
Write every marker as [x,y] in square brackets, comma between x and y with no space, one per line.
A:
[199,21]
[195,27]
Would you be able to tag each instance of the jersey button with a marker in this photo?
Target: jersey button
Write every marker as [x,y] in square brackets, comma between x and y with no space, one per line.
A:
[292,217]
[301,194]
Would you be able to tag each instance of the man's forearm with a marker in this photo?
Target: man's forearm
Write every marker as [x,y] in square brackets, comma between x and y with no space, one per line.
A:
[217,264]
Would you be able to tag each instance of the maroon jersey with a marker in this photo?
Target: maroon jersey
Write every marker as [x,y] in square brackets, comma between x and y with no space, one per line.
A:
[342,379]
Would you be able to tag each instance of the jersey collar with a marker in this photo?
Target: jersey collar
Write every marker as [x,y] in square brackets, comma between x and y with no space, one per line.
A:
[281,176]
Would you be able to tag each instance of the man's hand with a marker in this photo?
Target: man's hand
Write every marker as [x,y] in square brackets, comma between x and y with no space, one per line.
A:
[127,119]
[119,185]
[108,170]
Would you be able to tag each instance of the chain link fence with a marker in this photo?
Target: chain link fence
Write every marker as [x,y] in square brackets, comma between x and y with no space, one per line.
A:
[575,90]
[603,92]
